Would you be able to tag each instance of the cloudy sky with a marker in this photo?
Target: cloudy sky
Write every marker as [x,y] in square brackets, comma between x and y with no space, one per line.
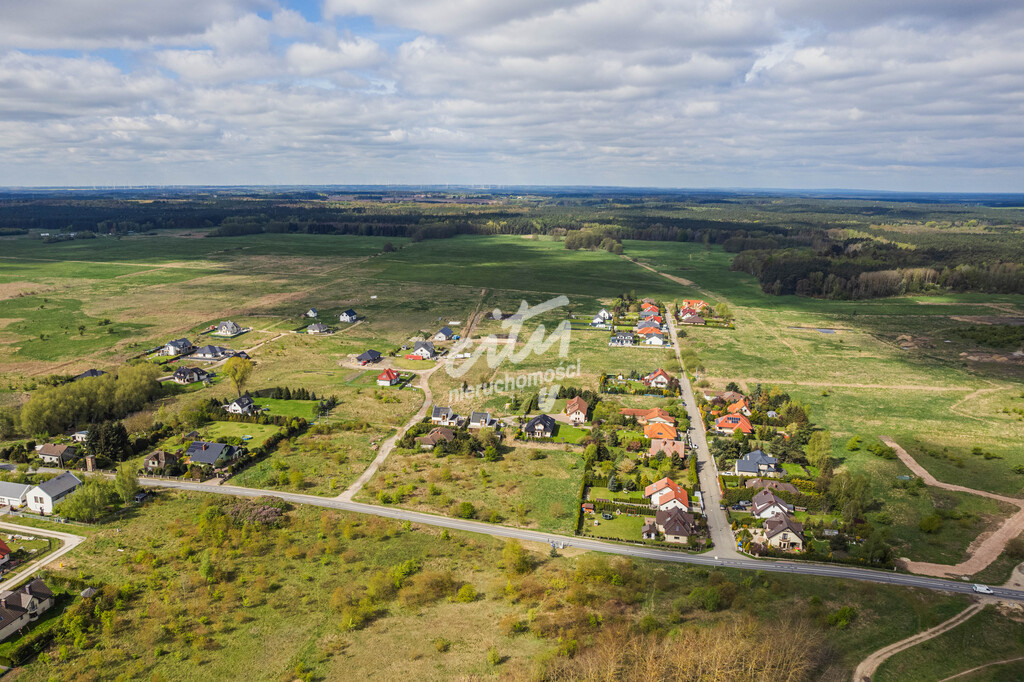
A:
[875,94]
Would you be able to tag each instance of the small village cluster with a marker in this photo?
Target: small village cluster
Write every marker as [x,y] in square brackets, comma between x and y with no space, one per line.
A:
[648,328]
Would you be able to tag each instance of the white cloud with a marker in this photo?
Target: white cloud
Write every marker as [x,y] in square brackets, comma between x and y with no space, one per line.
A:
[650,92]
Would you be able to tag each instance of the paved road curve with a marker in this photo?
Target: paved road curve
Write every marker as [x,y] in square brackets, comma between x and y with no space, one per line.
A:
[70,542]
[802,568]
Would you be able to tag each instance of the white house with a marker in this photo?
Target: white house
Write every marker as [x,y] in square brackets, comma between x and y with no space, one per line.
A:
[79,436]
[767,504]
[241,405]
[348,316]
[311,313]
[43,497]
[318,328]
[654,340]
[604,314]
[444,334]
[228,328]
[13,494]
[424,349]
[55,454]
[443,416]
[22,606]
[177,347]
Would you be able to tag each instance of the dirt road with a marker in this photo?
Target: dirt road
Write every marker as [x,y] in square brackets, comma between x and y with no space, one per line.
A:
[987,547]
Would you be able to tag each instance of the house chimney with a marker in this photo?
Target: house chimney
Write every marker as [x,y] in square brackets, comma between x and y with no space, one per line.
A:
[204,446]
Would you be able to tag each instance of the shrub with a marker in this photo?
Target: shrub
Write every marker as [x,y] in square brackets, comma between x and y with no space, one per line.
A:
[442,644]
[493,657]
[931,523]
[841,618]
[466,594]
[465,510]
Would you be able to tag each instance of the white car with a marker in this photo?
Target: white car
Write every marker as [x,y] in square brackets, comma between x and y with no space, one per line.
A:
[983,589]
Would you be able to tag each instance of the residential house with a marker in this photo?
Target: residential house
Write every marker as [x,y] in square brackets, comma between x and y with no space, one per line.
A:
[649,531]
[318,328]
[648,313]
[741,406]
[43,497]
[444,334]
[662,431]
[348,316]
[649,305]
[368,357]
[767,504]
[212,353]
[481,420]
[692,318]
[663,490]
[695,304]
[241,405]
[669,447]
[190,375]
[211,454]
[648,326]
[541,426]
[13,495]
[436,436]
[5,553]
[312,313]
[675,524]
[388,377]
[782,532]
[770,485]
[730,422]
[576,410]
[228,328]
[56,454]
[177,347]
[659,378]
[654,339]
[159,460]
[655,415]
[621,339]
[757,463]
[599,322]
[604,315]
[443,416]
[80,436]
[423,350]
[723,397]
[90,374]
[588,508]
[23,606]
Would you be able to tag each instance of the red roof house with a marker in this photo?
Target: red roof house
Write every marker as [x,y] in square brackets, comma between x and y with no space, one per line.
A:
[731,422]
[666,431]
[388,377]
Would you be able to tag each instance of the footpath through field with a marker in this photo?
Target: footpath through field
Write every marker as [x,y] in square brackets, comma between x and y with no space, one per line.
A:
[866,670]
[987,547]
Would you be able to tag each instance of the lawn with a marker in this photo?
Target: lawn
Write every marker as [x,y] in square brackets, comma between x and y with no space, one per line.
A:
[289,408]
[315,463]
[621,527]
[546,482]
[994,634]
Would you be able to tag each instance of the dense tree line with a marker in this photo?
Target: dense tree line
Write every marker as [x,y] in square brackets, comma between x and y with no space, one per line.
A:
[53,409]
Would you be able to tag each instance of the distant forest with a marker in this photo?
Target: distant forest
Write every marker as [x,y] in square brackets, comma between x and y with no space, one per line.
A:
[839,248]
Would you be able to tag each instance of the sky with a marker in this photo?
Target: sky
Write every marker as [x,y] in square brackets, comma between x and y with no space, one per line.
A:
[906,95]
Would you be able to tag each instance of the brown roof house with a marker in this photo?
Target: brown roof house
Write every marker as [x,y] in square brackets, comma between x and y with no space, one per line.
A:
[436,436]
[56,454]
[675,524]
[770,485]
[159,460]
[782,532]
[20,607]
[576,410]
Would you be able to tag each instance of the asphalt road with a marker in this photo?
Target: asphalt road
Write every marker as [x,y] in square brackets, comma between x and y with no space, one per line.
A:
[802,568]
[70,542]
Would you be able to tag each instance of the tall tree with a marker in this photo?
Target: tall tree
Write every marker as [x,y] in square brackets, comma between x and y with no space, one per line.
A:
[238,371]
[126,484]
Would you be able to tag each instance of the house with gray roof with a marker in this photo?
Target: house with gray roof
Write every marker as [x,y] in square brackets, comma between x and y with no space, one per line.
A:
[228,328]
[368,356]
[23,606]
[318,328]
[209,352]
[90,374]
[757,463]
[424,349]
[481,420]
[13,495]
[211,454]
[190,375]
[767,504]
[443,416]
[43,497]
[177,347]
[241,405]
[620,339]
[541,426]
